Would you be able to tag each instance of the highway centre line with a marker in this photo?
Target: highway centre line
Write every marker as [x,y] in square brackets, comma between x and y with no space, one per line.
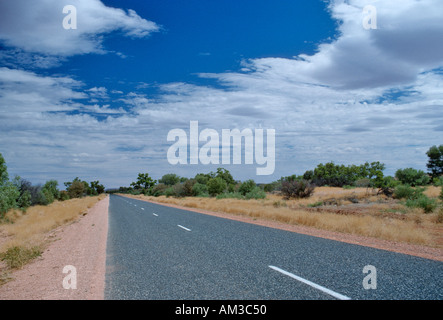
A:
[183,227]
[154,214]
[312,284]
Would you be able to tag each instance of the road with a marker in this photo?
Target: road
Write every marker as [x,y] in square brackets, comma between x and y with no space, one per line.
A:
[156,252]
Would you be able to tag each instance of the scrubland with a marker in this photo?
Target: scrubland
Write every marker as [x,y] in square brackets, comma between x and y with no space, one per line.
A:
[24,235]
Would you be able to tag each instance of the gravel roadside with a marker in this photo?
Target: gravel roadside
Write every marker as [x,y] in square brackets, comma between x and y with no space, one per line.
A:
[81,244]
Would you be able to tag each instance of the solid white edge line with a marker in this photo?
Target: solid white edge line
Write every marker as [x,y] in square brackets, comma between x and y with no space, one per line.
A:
[312,284]
[183,227]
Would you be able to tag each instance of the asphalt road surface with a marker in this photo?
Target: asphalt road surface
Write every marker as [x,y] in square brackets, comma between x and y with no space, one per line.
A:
[156,252]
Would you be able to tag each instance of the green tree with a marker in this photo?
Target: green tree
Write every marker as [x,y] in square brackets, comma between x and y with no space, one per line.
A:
[435,163]
[202,178]
[169,179]
[144,182]
[216,186]
[225,175]
[4,177]
[247,186]
[50,191]
[97,188]
[412,177]
[76,188]
[9,194]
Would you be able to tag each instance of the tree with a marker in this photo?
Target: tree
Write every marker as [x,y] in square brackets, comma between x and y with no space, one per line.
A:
[435,163]
[144,182]
[4,177]
[50,191]
[216,186]
[9,193]
[225,175]
[247,186]
[76,189]
[412,177]
[97,188]
[169,179]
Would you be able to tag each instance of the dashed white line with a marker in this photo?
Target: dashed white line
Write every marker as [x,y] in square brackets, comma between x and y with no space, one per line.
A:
[142,208]
[312,284]
[154,214]
[183,227]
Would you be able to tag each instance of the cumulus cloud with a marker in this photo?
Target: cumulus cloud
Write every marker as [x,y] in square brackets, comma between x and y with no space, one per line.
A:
[366,95]
[37,26]
[407,42]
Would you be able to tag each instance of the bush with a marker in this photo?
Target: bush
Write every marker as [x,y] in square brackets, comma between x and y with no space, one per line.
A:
[76,189]
[63,195]
[297,189]
[427,204]
[256,193]
[200,190]
[159,190]
[188,187]
[438,181]
[403,191]
[169,179]
[216,186]
[9,195]
[412,177]
[247,187]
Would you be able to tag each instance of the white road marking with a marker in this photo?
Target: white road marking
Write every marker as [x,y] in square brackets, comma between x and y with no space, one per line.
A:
[142,208]
[312,284]
[183,227]
[154,214]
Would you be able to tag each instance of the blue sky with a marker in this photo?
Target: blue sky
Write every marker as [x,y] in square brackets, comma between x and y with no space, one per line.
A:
[98,102]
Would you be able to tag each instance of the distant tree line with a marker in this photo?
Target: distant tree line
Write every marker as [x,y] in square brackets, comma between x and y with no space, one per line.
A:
[19,193]
[220,184]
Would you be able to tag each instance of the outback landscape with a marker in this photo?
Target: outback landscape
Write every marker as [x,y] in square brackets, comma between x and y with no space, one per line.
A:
[250,150]
[405,210]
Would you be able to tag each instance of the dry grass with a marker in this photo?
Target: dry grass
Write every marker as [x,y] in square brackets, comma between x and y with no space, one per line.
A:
[29,231]
[356,211]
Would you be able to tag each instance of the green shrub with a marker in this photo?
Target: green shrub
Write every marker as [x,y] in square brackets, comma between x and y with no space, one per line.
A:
[412,177]
[256,193]
[216,186]
[438,181]
[200,190]
[158,190]
[247,187]
[63,195]
[9,195]
[403,191]
[428,205]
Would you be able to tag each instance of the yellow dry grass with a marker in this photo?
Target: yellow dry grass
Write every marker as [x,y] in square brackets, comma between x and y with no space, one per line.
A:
[373,216]
[31,228]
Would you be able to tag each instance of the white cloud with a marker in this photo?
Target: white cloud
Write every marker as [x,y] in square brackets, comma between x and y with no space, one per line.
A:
[369,95]
[37,26]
